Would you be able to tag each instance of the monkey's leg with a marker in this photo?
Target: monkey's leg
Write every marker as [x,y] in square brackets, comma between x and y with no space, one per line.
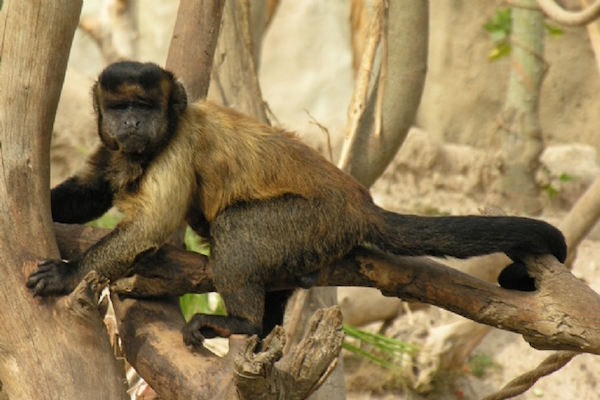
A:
[275,303]
[255,242]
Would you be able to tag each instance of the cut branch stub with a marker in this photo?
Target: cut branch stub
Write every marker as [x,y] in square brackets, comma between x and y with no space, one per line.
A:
[253,369]
[315,357]
[301,371]
[82,303]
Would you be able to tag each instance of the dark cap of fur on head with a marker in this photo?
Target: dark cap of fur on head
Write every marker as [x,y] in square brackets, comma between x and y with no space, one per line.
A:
[145,74]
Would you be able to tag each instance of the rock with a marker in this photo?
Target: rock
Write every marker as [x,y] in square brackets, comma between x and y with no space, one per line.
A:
[567,171]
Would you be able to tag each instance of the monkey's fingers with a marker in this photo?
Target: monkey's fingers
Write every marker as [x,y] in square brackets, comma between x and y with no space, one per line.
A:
[192,335]
[203,326]
[37,277]
[37,287]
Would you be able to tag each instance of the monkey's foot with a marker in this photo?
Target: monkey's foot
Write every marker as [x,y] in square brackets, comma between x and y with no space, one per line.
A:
[203,326]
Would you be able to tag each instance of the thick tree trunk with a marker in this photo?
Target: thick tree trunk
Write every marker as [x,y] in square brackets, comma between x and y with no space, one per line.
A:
[50,349]
[189,58]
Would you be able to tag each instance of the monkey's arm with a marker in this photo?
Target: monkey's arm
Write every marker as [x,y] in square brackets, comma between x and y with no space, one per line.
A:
[152,215]
[110,257]
[86,195]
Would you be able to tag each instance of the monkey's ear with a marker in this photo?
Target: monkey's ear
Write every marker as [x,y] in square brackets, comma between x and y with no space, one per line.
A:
[96,98]
[178,97]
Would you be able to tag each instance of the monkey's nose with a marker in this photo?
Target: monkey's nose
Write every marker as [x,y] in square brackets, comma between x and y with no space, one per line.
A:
[132,122]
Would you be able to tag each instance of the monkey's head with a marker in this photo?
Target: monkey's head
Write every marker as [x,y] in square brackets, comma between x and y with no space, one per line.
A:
[138,106]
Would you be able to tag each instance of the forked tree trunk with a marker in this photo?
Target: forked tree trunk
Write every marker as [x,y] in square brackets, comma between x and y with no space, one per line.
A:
[50,349]
[391,106]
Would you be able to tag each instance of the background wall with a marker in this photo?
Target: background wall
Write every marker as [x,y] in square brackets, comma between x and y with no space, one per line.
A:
[306,68]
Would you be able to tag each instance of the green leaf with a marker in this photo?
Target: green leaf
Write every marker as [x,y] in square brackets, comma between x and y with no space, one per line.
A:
[109,220]
[498,36]
[499,27]
[564,177]
[554,31]
[391,348]
[500,51]
[193,303]
[195,243]
[382,342]
[500,21]
[369,356]
[551,190]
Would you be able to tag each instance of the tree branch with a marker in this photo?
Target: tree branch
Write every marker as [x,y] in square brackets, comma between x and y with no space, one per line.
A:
[153,344]
[234,79]
[563,314]
[193,44]
[569,18]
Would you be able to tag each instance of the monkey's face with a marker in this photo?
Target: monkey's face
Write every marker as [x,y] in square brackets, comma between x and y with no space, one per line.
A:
[131,125]
[138,107]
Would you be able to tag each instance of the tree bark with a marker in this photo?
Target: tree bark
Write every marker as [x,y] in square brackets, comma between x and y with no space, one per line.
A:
[234,80]
[37,38]
[192,47]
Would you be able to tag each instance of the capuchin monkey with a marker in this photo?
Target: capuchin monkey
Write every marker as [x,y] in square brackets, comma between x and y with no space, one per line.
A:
[271,206]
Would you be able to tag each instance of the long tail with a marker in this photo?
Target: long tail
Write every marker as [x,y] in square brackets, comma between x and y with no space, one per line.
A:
[467,236]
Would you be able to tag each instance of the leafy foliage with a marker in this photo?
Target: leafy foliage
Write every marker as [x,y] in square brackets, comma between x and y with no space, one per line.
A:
[392,349]
[199,303]
[499,26]
[108,221]
[552,191]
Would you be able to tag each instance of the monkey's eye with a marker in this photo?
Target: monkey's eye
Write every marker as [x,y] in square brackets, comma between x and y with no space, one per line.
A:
[118,106]
[144,105]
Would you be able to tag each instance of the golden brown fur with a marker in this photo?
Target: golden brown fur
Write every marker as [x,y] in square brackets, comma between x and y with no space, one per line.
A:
[240,159]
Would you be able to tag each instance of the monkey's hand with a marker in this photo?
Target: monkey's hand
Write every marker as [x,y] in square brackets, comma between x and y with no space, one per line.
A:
[53,277]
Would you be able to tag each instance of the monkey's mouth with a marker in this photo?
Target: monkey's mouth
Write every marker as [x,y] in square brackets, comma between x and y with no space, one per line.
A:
[132,143]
